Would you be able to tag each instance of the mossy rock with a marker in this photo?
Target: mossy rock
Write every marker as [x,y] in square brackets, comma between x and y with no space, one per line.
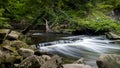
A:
[32,62]
[18,44]
[11,50]
[25,52]
[10,58]
[112,36]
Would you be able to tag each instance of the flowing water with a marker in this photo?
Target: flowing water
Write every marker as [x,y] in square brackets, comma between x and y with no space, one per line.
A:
[75,47]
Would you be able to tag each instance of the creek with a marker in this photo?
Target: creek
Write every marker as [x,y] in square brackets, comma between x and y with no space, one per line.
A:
[75,47]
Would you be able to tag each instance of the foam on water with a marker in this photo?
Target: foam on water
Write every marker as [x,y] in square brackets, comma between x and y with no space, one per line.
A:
[89,47]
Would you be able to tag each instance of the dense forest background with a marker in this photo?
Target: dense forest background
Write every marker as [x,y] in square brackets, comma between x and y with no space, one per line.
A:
[96,15]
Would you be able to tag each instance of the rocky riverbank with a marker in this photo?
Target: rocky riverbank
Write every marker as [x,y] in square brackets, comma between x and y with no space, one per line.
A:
[18,54]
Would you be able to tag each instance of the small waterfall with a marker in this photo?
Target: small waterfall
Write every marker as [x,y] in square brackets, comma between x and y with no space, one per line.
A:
[89,47]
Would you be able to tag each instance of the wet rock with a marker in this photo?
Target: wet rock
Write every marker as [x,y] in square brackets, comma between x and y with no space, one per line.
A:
[76,66]
[112,36]
[32,62]
[80,61]
[25,52]
[108,61]
[39,53]
[54,62]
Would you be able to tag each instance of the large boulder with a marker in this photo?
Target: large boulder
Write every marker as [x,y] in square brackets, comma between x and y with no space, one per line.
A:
[112,36]
[76,66]
[25,52]
[7,60]
[32,62]
[54,62]
[108,61]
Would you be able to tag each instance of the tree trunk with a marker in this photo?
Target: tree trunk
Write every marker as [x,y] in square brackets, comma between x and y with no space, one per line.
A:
[47,26]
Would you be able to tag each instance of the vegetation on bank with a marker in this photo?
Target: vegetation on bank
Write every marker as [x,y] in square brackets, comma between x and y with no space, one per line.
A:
[62,14]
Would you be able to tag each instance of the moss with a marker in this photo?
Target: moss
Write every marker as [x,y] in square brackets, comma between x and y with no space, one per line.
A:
[18,44]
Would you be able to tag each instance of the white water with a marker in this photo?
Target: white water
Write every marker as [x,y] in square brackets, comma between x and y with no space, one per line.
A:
[89,47]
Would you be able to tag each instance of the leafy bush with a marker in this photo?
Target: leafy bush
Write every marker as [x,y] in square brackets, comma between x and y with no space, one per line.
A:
[3,21]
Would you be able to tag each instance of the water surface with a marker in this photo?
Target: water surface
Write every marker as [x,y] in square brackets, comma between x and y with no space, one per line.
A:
[75,47]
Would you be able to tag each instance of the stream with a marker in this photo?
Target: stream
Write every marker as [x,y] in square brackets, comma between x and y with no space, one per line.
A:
[75,47]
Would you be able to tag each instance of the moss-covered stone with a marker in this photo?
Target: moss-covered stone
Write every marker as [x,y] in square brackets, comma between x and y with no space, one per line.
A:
[10,58]
[18,44]
[32,62]
[112,36]
[25,52]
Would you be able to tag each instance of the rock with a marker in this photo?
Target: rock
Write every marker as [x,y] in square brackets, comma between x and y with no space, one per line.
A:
[108,61]
[80,61]
[32,62]
[39,53]
[18,44]
[46,57]
[25,52]
[112,36]
[3,34]
[9,58]
[9,48]
[8,61]
[33,47]
[76,66]
[2,58]
[16,65]
[13,35]
[54,62]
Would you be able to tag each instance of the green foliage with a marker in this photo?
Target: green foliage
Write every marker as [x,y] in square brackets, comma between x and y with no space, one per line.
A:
[76,14]
[3,21]
[104,24]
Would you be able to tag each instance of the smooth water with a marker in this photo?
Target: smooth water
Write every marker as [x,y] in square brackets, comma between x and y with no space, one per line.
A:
[88,47]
